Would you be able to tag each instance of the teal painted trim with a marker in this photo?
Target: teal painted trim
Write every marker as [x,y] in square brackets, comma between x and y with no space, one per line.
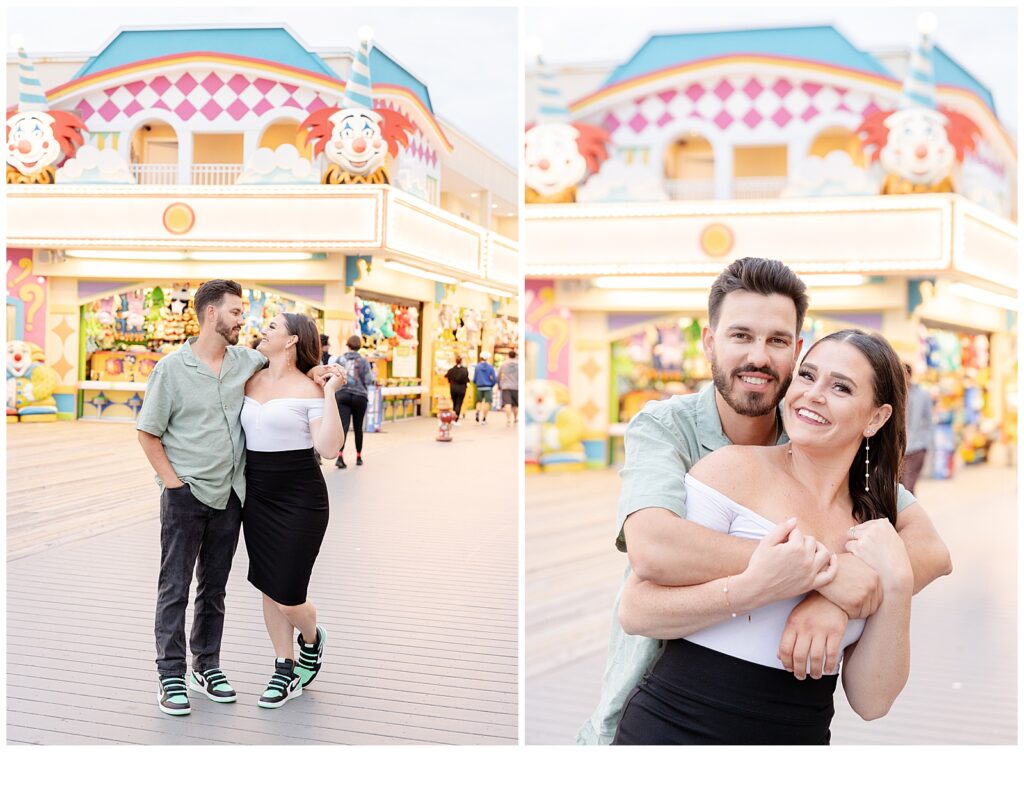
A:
[19,316]
[352,270]
[65,404]
[385,70]
[876,280]
[914,295]
[815,43]
[1011,320]
[950,73]
[439,292]
[495,306]
[268,44]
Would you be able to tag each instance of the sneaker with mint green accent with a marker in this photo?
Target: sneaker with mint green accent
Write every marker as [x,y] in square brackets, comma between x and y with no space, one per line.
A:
[214,684]
[311,656]
[284,684]
[173,696]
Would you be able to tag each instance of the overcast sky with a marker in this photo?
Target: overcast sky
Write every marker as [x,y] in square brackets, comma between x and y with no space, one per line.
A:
[982,40]
[468,57]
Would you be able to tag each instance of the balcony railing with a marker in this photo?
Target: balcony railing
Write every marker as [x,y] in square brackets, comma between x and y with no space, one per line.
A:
[215,174]
[155,173]
[752,189]
[698,189]
[690,189]
[200,174]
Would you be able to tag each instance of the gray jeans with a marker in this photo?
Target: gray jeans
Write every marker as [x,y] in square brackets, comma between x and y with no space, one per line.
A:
[189,532]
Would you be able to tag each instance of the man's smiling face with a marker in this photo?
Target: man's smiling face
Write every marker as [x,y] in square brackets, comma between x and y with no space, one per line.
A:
[753,350]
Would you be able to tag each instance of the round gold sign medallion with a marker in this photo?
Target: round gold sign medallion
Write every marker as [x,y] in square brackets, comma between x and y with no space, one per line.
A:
[717,240]
[179,218]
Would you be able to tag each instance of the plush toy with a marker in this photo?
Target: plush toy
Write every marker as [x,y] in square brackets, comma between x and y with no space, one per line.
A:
[472,322]
[403,323]
[30,383]
[135,318]
[554,430]
[366,319]
[178,299]
[387,323]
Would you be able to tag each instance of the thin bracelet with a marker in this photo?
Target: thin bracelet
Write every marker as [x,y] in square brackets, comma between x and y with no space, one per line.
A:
[726,592]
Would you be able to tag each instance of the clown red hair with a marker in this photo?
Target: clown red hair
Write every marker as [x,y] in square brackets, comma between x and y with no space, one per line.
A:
[960,130]
[592,143]
[395,128]
[67,129]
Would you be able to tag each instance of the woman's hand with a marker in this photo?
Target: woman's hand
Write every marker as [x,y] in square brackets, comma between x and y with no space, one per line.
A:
[335,381]
[878,544]
[785,564]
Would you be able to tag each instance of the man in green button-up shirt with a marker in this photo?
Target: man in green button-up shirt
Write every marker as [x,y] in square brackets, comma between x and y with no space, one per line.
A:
[191,432]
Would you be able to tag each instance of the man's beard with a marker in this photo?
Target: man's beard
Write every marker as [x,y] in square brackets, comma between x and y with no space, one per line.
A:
[228,332]
[748,403]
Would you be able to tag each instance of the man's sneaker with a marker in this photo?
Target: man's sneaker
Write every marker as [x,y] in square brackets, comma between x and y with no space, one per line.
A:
[311,656]
[359,460]
[214,684]
[173,696]
[340,462]
[284,684]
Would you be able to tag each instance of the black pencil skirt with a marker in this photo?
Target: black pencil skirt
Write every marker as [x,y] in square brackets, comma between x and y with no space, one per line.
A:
[284,519]
[694,695]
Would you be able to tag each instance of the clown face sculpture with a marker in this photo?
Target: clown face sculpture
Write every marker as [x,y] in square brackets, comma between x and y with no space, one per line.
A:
[553,159]
[356,142]
[918,148]
[31,144]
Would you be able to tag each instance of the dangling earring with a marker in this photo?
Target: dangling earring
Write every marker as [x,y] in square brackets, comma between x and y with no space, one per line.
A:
[867,462]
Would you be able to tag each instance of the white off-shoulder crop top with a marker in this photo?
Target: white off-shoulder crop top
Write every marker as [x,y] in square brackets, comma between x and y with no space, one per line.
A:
[279,425]
[757,639]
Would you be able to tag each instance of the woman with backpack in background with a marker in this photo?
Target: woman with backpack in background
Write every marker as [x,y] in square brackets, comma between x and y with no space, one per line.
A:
[353,397]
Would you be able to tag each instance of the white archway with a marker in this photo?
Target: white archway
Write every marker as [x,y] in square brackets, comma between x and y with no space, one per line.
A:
[182,137]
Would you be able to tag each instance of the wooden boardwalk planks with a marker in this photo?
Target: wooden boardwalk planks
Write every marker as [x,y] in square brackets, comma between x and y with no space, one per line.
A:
[416,583]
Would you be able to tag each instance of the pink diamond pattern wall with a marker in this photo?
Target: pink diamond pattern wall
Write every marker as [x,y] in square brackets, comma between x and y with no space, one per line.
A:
[197,96]
[745,102]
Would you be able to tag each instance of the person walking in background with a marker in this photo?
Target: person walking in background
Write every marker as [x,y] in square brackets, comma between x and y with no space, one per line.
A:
[354,396]
[919,430]
[325,349]
[508,383]
[484,378]
[458,379]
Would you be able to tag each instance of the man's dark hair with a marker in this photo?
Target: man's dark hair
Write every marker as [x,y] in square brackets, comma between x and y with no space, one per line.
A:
[325,340]
[212,293]
[909,370]
[757,275]
[512,354]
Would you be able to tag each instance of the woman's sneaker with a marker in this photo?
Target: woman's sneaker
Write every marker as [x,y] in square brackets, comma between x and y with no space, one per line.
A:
[311,656]
[173,696]
[214,684]
[284,684]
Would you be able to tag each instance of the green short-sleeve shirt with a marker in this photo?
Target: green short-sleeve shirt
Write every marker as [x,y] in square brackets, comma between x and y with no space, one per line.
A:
[196,415]
[663,441]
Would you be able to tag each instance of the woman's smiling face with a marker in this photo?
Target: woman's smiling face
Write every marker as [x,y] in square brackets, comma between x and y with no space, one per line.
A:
[276,337]
[831,401]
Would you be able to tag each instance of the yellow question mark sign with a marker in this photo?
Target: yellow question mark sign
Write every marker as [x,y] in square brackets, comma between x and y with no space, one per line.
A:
[33,294]
[26,265]
[557,331]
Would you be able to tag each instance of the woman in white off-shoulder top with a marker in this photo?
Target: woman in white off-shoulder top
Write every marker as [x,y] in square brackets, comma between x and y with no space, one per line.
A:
[718,678]
[286,506]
